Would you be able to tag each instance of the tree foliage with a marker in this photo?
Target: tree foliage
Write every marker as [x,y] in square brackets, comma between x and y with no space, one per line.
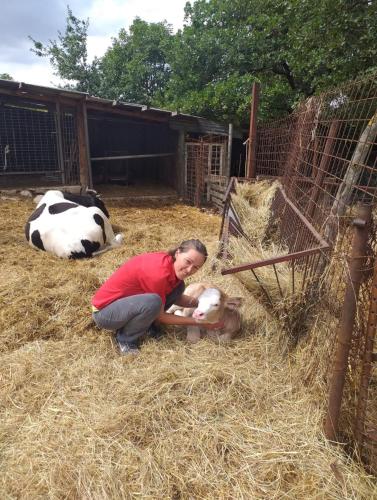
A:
[6,76]
[69,56]
[135,67]
[295,48]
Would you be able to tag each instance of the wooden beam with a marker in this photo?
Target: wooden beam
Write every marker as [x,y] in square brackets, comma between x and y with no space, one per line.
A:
[252,146]
[119,111]
[130,157]
[38,97]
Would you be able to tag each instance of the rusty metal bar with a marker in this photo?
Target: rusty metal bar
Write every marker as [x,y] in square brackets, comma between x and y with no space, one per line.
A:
[293,276]
[304,220]
[278,281]
[252,146]
[263,288]
[273,260]
[228,192]
[367,362]
[323,167]
[346,324]
[305,272]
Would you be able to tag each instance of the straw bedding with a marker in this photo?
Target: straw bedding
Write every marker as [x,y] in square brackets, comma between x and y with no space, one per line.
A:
[252,203]
[178,421]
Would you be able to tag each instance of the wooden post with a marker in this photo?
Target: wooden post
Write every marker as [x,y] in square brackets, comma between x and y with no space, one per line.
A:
[252,145]
[347,320]
[181,165]
[229,152]
[83,145]
[90,176]
[59,142]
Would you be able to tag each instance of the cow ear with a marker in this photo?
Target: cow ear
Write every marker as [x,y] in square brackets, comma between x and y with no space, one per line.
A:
[233,303]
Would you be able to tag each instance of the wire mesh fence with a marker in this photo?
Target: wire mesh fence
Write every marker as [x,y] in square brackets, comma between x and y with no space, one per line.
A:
[27,138]
[39,141]
[326,156]
[70,151]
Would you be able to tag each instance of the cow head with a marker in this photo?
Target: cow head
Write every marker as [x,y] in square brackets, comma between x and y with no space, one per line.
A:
[212,304]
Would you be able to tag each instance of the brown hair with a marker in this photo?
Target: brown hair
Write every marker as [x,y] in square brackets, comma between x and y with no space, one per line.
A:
[186,245]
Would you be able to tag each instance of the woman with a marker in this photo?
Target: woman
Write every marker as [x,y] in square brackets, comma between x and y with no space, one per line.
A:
[142,289]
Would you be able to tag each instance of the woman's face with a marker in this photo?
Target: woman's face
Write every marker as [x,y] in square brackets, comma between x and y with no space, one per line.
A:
[187,263]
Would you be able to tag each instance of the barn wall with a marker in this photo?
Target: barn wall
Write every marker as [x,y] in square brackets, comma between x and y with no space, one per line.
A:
[110,136]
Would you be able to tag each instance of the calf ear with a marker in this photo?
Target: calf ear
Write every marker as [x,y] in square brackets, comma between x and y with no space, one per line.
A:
[233,303]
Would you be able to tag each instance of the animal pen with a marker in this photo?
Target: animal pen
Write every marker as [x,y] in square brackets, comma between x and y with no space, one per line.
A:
[323,216]
[55,137]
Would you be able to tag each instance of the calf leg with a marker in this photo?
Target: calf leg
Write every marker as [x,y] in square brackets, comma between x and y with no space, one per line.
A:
[193,334]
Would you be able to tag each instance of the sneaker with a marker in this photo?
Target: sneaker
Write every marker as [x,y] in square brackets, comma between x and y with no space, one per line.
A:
[154,332]
[125,347]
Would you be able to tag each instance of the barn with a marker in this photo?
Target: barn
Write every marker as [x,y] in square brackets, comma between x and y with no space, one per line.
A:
[57,137]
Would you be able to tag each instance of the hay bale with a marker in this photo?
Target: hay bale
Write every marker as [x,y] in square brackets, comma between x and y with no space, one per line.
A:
[252,202]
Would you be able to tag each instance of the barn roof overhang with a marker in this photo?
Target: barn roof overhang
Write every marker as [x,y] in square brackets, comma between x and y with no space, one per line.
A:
[175,119]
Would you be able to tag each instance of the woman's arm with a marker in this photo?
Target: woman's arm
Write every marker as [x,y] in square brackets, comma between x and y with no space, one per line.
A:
[172,319]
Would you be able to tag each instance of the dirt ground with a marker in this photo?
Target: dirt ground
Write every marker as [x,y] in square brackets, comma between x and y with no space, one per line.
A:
[177,421]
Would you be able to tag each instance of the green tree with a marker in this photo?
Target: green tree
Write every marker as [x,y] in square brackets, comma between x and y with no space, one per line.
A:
[6,76]
[135,68]
[294,47]
[69,56]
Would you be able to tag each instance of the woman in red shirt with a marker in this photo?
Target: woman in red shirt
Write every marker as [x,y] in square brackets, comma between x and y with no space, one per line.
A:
[142,289]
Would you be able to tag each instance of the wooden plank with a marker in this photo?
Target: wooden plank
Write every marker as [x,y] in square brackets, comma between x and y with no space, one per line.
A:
[119,111]
[130,157]
[220,199]
[217,189]
[217,195]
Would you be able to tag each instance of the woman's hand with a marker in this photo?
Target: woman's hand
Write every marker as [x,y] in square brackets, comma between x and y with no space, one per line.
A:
[213,326]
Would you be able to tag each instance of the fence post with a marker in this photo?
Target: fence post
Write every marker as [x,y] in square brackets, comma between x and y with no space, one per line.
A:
[229,151]
[252,144]
[84,160]
[347,320]
[59,140]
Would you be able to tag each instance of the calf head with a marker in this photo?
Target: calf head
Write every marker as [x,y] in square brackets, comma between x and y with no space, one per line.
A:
[212,304]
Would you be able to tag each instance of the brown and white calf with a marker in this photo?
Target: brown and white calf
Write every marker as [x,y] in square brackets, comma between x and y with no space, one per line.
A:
[213,306]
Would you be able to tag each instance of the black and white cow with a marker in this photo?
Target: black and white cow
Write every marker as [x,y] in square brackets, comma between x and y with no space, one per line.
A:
[87,200]
[69,228]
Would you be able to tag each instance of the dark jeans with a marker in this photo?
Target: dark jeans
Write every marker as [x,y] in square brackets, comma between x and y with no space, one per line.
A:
[132,316]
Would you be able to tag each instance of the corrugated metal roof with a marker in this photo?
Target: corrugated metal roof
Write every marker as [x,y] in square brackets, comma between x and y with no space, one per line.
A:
[177,120]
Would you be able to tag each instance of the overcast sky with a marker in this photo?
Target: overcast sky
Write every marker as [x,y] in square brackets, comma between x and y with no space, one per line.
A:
[41,19]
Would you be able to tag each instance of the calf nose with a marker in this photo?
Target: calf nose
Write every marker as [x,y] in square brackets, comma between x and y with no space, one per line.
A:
[198,315]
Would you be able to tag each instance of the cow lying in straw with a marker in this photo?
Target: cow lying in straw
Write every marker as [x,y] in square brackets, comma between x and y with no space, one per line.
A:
[71,226]
[213,306]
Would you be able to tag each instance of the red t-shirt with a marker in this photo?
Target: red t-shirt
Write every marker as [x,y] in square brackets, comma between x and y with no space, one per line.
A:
[145,273]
